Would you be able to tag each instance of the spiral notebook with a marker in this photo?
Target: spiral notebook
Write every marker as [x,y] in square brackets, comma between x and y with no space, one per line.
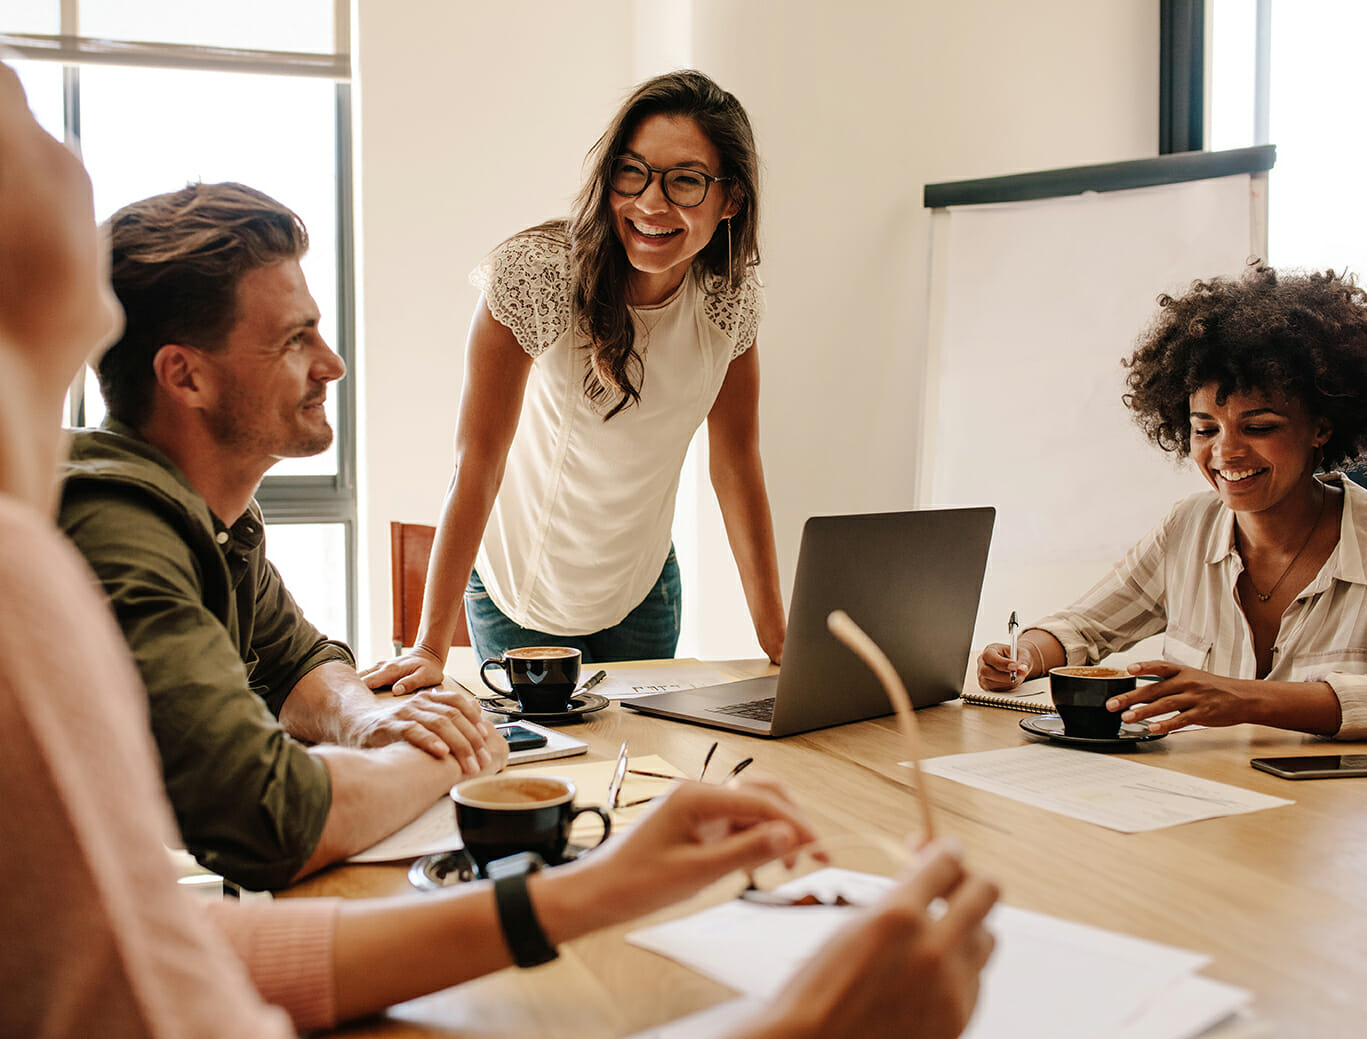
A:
[1032,696]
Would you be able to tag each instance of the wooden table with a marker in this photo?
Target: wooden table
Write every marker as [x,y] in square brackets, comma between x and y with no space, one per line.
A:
[1276,897]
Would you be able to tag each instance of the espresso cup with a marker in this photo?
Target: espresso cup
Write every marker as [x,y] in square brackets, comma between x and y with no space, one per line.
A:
[506,814]
[541,678]
[1080,695]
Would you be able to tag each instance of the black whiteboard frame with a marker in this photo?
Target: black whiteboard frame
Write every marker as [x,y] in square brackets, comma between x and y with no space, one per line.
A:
[1106,176]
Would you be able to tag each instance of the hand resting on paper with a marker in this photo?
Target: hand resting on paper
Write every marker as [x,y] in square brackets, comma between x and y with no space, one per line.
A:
[1202,698]
[900,969]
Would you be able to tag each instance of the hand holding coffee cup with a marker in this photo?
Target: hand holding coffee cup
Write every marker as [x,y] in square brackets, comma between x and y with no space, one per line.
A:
[1080,695]
[505,814]
[541,678]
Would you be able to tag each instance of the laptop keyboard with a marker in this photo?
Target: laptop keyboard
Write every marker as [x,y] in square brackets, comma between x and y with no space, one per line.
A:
[759,710]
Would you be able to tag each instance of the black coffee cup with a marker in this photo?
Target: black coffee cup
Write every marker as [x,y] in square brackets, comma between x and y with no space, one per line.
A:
[1080,695]
[506,814]
[542,678]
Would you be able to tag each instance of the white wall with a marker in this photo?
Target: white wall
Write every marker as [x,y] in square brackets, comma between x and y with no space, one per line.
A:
[473,121]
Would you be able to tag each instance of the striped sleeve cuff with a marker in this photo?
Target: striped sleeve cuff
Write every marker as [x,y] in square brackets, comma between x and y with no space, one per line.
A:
[287,946]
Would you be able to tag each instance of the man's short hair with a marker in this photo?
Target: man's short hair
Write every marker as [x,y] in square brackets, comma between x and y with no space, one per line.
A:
[176,260]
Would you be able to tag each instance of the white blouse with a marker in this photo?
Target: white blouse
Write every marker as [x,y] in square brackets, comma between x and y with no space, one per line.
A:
[1180,580]
[580,528]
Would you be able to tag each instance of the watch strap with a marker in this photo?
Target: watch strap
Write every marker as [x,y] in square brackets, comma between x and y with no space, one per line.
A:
[517,916]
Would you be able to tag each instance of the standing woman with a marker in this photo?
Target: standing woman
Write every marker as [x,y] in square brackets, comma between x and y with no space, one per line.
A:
[598,347]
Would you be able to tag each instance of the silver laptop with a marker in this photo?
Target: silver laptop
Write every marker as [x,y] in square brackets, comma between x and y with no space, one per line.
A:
[910,579]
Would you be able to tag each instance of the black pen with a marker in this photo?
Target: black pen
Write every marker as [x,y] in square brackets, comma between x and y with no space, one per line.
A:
[597,677]
[1012,626]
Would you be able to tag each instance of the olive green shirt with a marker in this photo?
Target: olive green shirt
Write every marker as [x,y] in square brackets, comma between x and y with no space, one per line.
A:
[220,644]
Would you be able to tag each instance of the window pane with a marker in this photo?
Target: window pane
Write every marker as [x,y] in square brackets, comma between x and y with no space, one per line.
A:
[146,131]
[1233,90]
[42,81]
[282,25]
[1313,217]
[37,16]
[311,558]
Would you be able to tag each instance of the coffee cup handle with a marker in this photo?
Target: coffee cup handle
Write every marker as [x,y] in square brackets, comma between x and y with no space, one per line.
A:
[607,821]
[483,678]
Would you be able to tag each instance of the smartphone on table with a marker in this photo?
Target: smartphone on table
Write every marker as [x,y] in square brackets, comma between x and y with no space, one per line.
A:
[520,737]
[1314,766]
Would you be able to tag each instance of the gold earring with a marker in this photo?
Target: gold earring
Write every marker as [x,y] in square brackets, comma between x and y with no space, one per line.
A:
[729,283]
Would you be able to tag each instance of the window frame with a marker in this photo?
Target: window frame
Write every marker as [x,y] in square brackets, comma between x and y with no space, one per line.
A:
[313,499]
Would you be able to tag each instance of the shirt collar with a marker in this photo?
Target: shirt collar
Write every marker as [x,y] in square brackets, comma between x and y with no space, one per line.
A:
[1352,546]
[1345,563]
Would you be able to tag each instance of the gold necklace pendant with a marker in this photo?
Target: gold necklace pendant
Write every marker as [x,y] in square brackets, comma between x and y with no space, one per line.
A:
[1324,494]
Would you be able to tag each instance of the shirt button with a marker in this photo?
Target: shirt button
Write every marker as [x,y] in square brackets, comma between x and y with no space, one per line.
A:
[221,537]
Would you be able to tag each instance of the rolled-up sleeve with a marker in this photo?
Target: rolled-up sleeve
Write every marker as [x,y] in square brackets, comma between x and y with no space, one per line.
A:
[1352,693]
[286,646]
[250,800]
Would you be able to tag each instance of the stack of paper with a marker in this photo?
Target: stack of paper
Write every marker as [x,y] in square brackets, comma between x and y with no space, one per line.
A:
[1048,978]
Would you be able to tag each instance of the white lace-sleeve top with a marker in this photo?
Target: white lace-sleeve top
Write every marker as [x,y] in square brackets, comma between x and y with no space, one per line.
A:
[581,526]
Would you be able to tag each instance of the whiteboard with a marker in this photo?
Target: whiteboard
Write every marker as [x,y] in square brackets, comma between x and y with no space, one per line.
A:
[1033,306]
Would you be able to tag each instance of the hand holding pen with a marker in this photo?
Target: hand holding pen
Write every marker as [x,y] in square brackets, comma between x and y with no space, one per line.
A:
[1001,666]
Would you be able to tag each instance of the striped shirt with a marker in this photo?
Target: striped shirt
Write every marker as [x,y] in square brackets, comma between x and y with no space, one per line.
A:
[1179,580]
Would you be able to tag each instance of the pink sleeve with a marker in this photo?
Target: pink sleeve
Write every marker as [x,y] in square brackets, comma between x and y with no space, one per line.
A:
[97,935]
[287,947]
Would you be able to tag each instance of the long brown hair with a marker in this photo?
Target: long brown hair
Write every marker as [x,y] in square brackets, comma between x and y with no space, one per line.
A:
[598,259]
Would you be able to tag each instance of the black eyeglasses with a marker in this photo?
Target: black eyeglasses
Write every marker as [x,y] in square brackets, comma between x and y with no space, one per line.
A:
[683,185]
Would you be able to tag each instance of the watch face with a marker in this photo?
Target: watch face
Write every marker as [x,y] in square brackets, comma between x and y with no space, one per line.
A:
[511,865]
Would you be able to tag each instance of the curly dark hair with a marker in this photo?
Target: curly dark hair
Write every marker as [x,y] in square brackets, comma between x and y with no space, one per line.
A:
[1302,335]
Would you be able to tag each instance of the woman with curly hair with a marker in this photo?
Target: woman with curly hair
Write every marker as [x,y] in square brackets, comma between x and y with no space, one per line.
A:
[1259,588]
[599,346]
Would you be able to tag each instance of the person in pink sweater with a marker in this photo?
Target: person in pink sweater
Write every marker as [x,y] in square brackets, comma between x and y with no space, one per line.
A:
[97,936]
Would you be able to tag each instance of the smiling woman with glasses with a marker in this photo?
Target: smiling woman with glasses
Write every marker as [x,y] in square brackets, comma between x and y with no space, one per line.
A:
[571,434]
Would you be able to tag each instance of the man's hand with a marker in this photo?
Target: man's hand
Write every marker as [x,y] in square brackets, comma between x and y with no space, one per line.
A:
[900,969]
[440,722]
[414,670]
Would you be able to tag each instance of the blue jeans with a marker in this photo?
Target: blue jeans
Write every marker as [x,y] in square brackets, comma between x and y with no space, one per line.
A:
[649,632]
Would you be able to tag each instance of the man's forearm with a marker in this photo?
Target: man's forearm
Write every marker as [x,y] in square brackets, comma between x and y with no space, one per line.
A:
[374,793]
[330,704]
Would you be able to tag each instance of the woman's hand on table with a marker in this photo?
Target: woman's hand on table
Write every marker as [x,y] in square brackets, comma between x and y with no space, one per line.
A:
[406,673]
[1202,698]
[900,969]
[693,835]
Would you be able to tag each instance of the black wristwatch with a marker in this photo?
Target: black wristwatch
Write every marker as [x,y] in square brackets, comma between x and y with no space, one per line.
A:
[516,915]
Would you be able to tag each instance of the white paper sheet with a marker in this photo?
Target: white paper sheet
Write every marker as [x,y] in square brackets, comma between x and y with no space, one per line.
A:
[1112,980]
[1197,1007]
[624,683]
[1098,788]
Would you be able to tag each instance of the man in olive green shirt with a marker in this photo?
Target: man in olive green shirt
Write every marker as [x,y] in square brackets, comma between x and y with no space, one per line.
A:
[277,759]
